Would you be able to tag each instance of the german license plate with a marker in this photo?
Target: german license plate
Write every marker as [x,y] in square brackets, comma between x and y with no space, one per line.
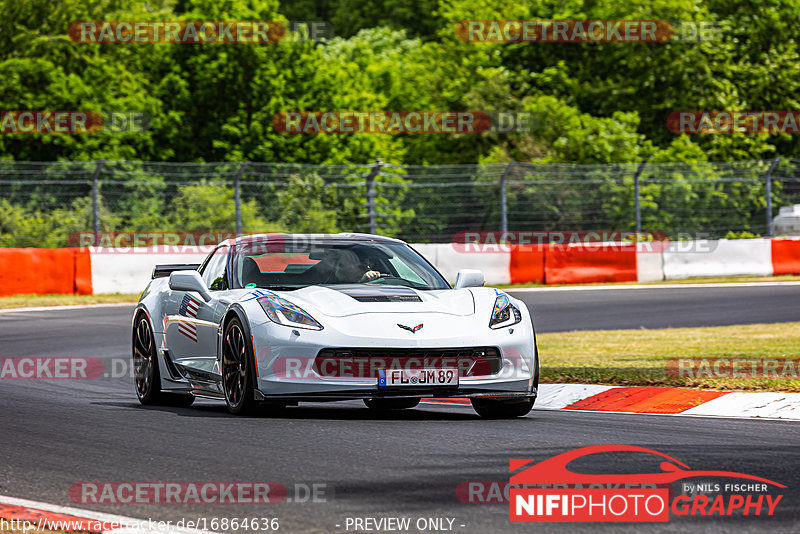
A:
[417,377]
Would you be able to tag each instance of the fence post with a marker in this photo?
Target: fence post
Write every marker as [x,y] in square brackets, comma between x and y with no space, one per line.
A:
[96,201]
[636,197]
[504,199]
[371,214]
[768,180]
[237,197]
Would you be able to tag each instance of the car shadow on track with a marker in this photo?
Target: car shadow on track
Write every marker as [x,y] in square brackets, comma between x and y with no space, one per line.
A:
[312,411]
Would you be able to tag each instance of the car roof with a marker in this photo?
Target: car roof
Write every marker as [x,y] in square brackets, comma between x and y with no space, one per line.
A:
[282,237]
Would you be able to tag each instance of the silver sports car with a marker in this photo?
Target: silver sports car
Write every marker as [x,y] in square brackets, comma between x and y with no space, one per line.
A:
[270,320]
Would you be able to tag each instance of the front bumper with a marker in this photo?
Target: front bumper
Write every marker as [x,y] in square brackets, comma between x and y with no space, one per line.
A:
[416,394]
[285,360]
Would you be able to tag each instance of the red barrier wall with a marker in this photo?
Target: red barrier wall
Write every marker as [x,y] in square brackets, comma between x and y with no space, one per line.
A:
[527,264]
[785,256]
[44,271]
[590,263]
[83,271]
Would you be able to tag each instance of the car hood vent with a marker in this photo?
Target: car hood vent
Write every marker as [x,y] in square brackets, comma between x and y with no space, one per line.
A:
[342,300]
[389,294]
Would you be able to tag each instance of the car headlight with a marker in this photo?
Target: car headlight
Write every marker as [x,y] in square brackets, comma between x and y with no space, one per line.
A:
[281,311]
[504,313]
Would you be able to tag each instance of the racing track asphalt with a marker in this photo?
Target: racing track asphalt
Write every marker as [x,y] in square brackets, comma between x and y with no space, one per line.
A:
[560,309]
[58,432]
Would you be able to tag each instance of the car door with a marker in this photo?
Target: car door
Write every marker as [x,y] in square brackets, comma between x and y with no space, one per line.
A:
[191,322]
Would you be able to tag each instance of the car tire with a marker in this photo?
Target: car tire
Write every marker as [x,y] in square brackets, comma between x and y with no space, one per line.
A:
[147,377]
[237,370]
[503,409]
[385,405]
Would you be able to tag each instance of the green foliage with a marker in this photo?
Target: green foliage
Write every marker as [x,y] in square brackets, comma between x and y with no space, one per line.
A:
[30,227]
[741,235]
[305,205]
[210,208]
[350,16]
[598,103]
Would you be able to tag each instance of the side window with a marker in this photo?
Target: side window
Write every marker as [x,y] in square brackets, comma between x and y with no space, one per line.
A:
[214,271]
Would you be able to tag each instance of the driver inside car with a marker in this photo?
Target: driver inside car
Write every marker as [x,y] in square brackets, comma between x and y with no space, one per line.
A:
[347,267]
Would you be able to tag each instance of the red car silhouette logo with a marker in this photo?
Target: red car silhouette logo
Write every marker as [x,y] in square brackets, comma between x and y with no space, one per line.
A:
[554,470]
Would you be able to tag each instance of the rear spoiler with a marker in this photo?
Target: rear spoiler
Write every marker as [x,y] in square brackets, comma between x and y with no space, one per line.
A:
[162,271]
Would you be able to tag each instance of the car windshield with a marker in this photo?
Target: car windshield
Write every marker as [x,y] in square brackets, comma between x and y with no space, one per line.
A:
[288,266]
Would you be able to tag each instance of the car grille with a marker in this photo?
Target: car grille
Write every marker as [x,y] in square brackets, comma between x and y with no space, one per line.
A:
[365,362]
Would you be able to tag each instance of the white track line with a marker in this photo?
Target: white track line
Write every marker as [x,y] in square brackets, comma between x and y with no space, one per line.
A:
[70,307]
[651,286]
[131,525]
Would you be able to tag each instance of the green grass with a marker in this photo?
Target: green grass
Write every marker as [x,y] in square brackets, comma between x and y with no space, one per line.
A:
[30,301]
[639,357]
[713,280]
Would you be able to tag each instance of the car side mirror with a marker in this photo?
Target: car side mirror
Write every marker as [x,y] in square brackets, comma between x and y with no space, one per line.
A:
[189,281]
[469,278]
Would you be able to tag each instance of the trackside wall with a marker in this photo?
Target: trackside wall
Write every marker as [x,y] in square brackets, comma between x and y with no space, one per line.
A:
[87,271]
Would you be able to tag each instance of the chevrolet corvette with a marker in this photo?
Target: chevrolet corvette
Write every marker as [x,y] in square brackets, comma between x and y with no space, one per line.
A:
[270,320]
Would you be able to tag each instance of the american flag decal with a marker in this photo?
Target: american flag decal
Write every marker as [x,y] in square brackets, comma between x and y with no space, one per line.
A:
[188,309]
